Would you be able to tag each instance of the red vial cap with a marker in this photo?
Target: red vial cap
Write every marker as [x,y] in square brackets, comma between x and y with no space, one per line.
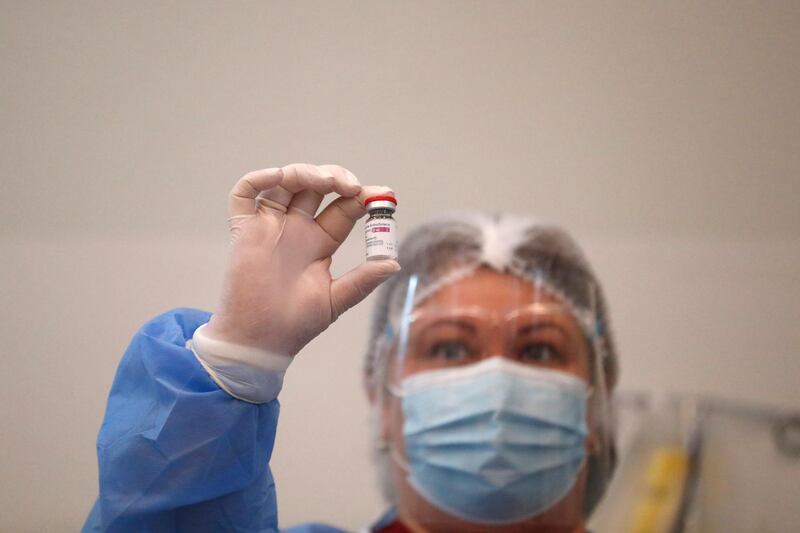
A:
[381,199]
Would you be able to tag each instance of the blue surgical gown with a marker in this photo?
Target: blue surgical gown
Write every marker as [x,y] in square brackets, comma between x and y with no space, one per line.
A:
[177,453]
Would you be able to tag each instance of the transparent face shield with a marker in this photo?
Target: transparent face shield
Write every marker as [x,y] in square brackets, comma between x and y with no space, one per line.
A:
[495,405]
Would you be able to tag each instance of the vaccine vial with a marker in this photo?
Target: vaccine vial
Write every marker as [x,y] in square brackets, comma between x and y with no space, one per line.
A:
[380,230]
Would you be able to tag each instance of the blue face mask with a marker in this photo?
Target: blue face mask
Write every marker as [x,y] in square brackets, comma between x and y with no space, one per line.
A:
[495,442]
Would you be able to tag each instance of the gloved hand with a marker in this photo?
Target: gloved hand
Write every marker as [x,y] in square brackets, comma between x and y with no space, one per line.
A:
[278,292]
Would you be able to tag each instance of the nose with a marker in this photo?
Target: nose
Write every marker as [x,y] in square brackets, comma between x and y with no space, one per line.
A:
[496,344]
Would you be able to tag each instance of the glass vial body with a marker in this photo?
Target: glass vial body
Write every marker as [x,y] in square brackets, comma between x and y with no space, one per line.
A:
[380,230]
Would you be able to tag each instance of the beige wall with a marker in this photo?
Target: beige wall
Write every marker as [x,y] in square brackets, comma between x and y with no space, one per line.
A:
[665,135]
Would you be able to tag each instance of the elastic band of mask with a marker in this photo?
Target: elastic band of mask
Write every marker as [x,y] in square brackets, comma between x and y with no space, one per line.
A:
[395,455]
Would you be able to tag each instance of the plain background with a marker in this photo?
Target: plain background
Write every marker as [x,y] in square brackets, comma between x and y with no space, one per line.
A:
[665,136]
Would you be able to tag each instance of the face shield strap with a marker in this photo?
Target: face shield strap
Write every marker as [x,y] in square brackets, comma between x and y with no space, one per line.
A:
[397,458]
[587,318]
[454,275]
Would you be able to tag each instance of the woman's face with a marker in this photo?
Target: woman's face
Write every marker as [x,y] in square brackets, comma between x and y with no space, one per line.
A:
[484,315]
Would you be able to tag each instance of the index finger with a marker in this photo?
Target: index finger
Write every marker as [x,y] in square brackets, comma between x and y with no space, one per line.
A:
[242,199]
[339,217]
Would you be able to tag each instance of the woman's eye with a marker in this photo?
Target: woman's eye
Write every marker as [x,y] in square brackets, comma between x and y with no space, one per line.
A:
[539,353]
[449,350]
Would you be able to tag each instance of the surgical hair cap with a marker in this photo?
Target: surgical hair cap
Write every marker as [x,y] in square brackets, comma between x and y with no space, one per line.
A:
[445,249]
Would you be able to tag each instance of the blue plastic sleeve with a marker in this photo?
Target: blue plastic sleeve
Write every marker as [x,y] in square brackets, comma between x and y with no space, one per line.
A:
[175,452]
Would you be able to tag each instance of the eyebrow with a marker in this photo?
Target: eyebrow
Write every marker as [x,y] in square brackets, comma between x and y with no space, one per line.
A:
[452,322]
[531,328]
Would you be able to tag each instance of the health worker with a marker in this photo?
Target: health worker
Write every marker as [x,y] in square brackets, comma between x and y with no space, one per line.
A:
[489,369]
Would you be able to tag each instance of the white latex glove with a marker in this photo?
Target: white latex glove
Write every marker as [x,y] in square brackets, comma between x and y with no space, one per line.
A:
[278,292]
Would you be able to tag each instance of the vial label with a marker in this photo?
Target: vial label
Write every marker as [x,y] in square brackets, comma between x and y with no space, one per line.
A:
[381,237]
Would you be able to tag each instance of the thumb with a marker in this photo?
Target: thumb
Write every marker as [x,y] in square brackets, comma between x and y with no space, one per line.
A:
[356,284]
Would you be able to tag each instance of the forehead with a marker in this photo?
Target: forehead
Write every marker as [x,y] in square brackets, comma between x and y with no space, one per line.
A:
[491,290]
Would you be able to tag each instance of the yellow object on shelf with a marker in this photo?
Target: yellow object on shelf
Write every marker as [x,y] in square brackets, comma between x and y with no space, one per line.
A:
[662,486]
